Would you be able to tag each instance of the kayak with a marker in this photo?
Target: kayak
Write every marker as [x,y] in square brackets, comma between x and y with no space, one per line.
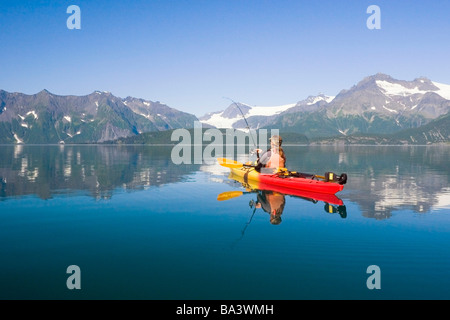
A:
[287,182]
[249,177]
[328,184]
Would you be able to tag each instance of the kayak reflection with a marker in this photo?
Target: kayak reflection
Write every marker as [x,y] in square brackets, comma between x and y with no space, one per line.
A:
[272,199]
[273,202]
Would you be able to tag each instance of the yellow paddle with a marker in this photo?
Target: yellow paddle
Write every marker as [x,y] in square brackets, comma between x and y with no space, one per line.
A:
[229,195]
[229,163]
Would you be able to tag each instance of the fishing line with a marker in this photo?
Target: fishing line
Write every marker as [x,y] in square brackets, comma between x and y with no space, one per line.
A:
[246,122]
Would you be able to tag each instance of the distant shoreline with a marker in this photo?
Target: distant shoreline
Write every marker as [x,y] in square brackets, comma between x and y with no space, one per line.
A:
[314,144]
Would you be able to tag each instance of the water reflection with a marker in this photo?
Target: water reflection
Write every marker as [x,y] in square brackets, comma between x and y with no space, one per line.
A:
[98,170]
[273,201]
[381,180]
[384,179]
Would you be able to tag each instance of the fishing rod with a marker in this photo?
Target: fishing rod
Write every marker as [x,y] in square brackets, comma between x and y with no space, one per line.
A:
[246,122]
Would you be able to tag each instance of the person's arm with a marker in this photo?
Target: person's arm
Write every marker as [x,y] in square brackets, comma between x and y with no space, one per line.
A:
[264,157]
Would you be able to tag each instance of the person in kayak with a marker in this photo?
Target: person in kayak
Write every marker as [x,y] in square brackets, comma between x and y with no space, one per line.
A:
[273,157]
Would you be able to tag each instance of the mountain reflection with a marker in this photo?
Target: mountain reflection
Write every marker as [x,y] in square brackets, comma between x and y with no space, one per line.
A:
[381,179]
[384,179]
[48,170]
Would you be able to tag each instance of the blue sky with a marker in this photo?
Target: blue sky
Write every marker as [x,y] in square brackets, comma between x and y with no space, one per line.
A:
[191,54]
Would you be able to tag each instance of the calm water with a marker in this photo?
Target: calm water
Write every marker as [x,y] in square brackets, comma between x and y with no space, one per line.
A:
[140,227]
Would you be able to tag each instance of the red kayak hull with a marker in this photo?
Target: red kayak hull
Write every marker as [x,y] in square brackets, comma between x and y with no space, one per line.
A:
[317,186]
[301,187]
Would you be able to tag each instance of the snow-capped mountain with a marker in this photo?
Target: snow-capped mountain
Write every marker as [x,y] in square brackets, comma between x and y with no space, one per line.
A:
[232,116]
[383,94]
[377,104]
[100,116]
[257,116]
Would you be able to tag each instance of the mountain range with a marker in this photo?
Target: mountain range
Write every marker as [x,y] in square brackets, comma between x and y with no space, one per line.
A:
[100,116]
[377,105]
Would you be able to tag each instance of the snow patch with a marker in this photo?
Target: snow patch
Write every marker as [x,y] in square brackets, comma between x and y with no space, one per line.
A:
[72,135]
[390,110]
[268,111]
[145,115]
[330,98]
[320,98]
[18,140]
[218,121]
[395,89]
[444,90]
[69,119]
[32,113]
[146,103]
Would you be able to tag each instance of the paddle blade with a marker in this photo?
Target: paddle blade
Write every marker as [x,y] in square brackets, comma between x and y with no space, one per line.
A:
[229,163]
[229,195]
